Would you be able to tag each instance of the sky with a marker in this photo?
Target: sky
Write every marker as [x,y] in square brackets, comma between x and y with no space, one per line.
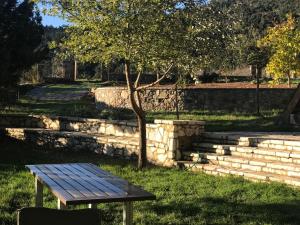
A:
[52,21]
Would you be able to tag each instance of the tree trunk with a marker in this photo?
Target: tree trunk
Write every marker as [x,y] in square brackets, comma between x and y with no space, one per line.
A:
[140,114]
[176,101]
[75,71]
[258,75]
[253,71]
[289,79]
[142,160]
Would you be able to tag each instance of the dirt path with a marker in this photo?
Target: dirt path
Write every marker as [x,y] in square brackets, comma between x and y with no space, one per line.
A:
[58,92]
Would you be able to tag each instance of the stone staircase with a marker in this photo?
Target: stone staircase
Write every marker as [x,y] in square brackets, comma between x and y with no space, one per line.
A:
[260,157]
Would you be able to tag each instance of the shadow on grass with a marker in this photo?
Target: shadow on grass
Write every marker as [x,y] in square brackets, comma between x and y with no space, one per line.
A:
[58,108]
[221,211]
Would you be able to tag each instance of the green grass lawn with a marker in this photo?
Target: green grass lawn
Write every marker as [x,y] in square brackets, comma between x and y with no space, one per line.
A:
[216,121]
[235,121]
[182,197]
[27,106]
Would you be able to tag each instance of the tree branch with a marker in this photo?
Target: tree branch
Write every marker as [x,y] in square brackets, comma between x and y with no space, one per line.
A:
[137,110]
[136,83]
[138,99]
[157,81]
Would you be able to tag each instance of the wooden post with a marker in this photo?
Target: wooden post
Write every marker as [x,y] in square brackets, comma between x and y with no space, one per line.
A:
[258,75]
[60,205]
[38,193]
[92,206]
[38,76]
[127,213]
[75,71]
[176,102]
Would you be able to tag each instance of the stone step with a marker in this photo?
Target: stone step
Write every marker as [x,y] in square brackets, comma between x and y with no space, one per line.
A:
[277,144]
[253,152]
[256,154]
[220,136]
[264,140]
[218,141]
[246,173]
[279,157]
[224,138]
[212,147]
[259,165]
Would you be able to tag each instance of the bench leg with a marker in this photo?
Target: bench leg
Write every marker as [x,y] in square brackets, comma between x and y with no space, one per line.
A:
[127,213]
[92,206]
[61,205]
[38,193]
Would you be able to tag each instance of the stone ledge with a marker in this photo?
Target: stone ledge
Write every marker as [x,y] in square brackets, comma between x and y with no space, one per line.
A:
[179,122]
[167,136]
[157,153]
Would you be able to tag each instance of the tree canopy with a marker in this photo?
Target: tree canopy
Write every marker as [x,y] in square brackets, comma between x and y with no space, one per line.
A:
[252,19]
[20,36]
[284,42]
[151,35]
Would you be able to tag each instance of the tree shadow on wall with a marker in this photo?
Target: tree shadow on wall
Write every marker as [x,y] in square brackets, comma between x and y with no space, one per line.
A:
[18,153]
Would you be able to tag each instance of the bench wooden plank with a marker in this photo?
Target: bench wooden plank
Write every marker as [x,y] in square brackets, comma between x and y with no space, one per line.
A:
[99,179]
[61,182]
[90,183]
[56,189]
[73,181]
[97,169]
[119,182]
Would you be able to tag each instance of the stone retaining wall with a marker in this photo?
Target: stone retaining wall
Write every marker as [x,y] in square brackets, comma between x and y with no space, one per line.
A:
[165,138]
[211,99]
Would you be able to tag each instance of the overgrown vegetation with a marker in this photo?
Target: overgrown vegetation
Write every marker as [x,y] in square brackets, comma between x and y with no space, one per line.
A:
[21,33]
[182,197]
